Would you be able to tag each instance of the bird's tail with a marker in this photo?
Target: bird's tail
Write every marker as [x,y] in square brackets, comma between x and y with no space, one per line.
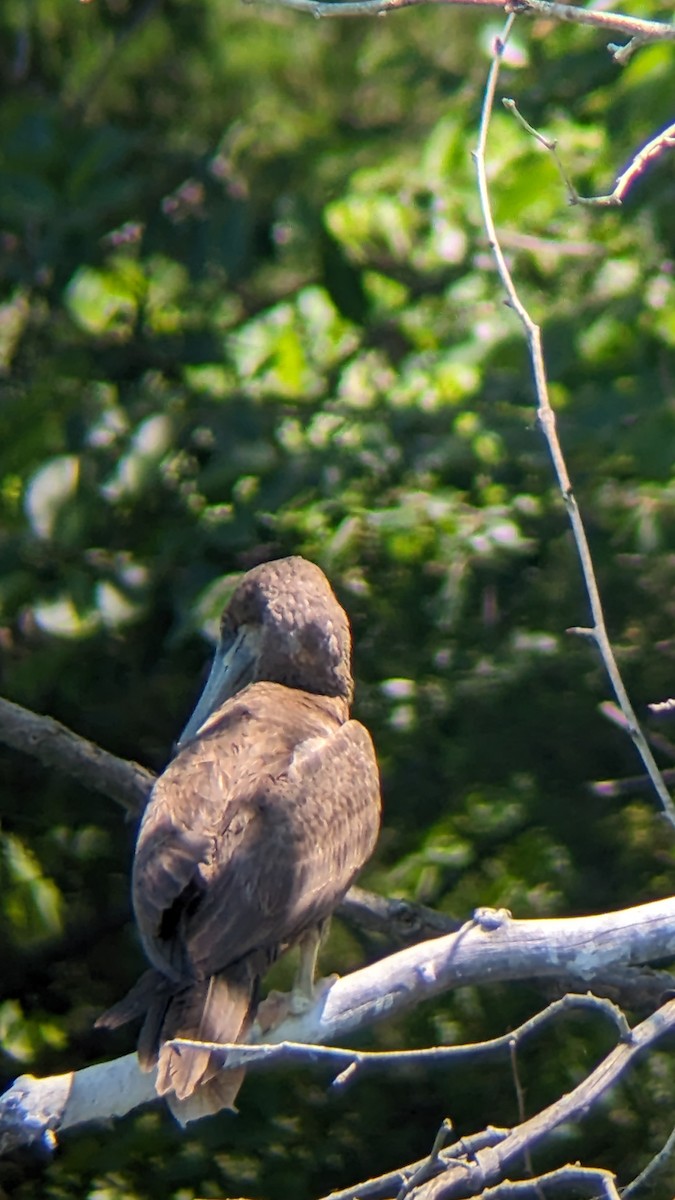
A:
[219,1009]
[148,998]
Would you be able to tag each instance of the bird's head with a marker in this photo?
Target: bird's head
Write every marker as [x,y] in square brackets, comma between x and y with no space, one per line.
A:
[283,624]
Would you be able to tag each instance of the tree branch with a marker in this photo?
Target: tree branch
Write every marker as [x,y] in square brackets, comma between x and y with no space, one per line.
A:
[490,948]
[595,1182]
[633,27]
[464,1177]
[353,1062]
[546,416]
[53,745]
[398,922]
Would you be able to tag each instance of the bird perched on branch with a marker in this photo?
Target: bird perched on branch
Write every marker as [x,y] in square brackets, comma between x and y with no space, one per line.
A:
[254,832]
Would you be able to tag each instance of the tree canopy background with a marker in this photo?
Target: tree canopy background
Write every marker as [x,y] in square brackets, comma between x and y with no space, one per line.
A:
[247,309]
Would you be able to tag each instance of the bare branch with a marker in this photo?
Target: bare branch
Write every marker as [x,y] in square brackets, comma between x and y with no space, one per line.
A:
[491,948]
[549,144]
[654,149]
[353,1062]
[647,31]
[593,1180]
[655,739]
[398,922]
[33,1110]
[639,30]
[597,1181]
[473,1164]
[383,1187]
[470,1177]
[629,785]
[547,419]
[53,745]
[633,783]
[430,1165]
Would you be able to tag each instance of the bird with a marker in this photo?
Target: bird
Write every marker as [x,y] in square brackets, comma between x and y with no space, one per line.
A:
[254,832]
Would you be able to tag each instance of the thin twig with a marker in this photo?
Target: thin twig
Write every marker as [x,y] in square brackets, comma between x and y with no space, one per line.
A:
[429,1166]
[655,739]
[520,1100]
[549,144]
[633,783]
[656,147]
[547,420]
[609,789]
[236,1054]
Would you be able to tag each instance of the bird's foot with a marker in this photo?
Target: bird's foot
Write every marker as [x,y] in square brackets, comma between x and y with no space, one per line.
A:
[272,1010]
[277,1006]
[302,1001]
[299,1003]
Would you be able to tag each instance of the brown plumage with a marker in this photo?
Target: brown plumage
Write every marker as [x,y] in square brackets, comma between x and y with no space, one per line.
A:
[254,832]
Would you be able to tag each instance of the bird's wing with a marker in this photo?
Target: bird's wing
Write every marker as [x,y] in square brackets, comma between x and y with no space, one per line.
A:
[254,832]
[314,826]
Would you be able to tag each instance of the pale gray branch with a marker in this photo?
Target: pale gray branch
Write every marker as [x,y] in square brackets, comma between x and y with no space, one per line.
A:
[593,1181]
[634,27]
[353,1061]
[489,949]
[476,1165]
[471,1177]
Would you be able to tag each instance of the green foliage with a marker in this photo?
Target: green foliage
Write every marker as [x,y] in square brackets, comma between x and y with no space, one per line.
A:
[246,309]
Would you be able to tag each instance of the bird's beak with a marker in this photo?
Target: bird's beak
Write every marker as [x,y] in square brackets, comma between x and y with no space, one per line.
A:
[232,668]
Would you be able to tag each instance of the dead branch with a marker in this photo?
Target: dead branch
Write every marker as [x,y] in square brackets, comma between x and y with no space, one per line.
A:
[655,739]
[53,745]
[649,1175]
[547,419]
[355,1062]
[634,27]
[397,922]
[490,948]
[594,1181]
[488,1166]
[475,1165]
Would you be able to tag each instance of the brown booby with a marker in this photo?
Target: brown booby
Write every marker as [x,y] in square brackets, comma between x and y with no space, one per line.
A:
[254,832]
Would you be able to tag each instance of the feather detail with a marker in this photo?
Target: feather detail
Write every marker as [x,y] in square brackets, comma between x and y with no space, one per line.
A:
[152,988]
[218,1009]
